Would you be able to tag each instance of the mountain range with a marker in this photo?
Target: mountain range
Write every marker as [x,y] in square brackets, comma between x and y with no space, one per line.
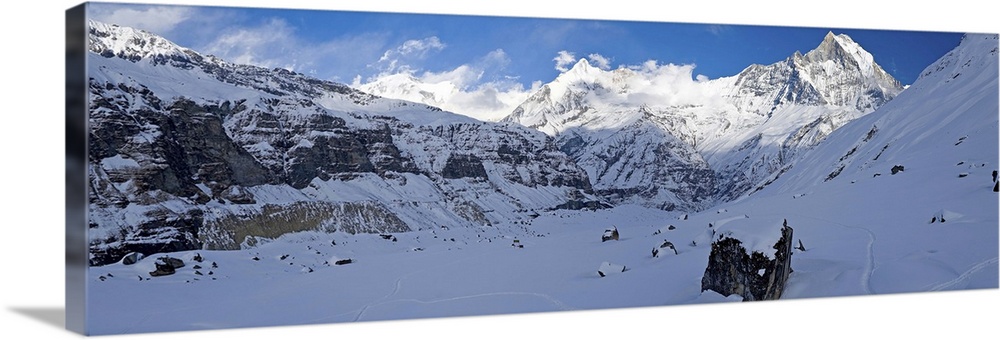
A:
[188,151]
[686,144]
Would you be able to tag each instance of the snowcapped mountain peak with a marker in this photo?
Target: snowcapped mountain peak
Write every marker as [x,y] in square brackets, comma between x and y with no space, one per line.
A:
[837,72]
[842,49]
[744,127]
[129,43]
[583,66]
[582,71]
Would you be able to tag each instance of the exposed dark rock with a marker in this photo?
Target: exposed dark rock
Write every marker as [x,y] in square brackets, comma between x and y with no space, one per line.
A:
[166,266]
[147,237]
[754,276]
[581,205]
[172,261]
[897,169]
[462,166]
[610,234]
[343,262]
[668,244]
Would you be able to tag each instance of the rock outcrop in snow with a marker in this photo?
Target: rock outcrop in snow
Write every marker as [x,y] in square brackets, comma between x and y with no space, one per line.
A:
[741,263]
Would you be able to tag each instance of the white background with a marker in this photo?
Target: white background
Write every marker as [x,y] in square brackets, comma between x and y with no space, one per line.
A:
[32,135]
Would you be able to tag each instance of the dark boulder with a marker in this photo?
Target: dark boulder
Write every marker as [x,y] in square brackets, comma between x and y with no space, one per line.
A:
[166,266]
[733,269]
[610,234]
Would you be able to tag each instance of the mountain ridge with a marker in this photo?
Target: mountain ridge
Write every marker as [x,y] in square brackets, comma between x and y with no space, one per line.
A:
[190,152]
[747,126]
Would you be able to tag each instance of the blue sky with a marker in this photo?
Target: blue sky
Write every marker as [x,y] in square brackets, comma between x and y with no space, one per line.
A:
[343,46]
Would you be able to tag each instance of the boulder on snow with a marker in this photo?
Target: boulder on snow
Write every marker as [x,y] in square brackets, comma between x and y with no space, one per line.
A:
[754,265]
[896,169]
[173,261]
[608,268]
[132,258]
[610,234]
[166,265]
[668,244]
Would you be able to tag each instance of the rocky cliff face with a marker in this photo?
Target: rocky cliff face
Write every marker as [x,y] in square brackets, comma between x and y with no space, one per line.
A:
[188,151]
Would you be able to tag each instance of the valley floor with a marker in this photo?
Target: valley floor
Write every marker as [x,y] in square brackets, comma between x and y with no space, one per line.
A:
[858,241]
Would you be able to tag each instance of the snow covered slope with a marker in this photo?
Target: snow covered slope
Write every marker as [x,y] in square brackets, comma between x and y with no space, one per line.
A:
[188,151]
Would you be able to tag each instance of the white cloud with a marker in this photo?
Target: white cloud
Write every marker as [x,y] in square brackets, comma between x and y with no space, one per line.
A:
[399,59]
[564,59]
[420,47]
[666,84]
[599,61]
[461,77]
[256,45]
[275,44]
[478,89]
[717,29]
[156,19]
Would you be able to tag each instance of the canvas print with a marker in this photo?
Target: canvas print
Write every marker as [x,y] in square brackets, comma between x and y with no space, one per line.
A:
[254,167]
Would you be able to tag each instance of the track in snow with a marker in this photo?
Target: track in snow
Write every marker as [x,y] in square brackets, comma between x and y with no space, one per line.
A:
[965,276]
